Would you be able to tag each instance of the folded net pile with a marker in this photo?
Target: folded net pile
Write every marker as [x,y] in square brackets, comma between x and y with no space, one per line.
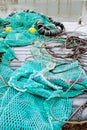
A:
[38,95]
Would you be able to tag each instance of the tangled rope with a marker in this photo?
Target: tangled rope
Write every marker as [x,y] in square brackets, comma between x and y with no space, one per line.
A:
[74,48]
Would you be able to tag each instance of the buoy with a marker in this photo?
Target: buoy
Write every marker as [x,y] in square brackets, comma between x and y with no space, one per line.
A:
[32,30]
[8,29]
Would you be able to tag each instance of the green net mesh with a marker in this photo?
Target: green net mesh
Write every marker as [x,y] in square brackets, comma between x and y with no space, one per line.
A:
[20,23]
[1,22]
[5,74]
[8,53]
[26,20]
[34,100]
[38,95]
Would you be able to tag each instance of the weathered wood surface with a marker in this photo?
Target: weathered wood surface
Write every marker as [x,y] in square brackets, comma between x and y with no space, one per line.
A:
[24,53]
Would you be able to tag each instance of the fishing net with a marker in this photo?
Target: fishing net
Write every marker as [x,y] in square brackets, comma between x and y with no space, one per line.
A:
[16,30]
[1,22]
[21,38]
[27,19]
[5,74]
[39,94]
[7,53]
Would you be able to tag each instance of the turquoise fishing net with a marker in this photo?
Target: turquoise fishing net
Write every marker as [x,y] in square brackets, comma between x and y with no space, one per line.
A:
[5,74]
[20,23]
[8,53]
[1,22]
[23,112]
[5,71]
[26,20]
[38,95]
[20,38]
[35,100]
